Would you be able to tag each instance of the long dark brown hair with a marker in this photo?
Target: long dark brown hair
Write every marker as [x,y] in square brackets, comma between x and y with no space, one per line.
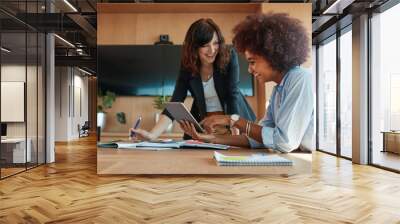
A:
[200,33]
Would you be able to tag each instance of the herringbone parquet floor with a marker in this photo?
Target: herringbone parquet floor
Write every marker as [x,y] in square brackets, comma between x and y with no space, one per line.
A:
[69,191]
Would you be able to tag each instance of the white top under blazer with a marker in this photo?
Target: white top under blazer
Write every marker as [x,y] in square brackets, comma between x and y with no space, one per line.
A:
[210,94]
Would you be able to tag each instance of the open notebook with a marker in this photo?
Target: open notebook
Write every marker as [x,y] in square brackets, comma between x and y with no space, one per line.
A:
[252,160]
[162,145]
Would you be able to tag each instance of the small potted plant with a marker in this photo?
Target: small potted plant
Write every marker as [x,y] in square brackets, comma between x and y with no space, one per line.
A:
[159,103]
[107,100]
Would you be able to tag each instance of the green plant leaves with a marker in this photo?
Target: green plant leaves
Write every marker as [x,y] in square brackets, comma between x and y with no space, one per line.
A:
[108,99]
[160,101]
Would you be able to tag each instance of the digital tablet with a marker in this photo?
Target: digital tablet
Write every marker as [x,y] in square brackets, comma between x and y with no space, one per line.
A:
[179,112]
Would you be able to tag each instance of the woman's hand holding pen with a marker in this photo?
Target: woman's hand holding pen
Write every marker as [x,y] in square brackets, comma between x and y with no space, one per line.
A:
[141,134]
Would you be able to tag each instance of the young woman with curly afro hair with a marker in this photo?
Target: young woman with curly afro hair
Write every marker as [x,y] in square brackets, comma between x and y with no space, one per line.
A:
[275,46]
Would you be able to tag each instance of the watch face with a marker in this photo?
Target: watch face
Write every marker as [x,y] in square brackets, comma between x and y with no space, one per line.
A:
[235,117]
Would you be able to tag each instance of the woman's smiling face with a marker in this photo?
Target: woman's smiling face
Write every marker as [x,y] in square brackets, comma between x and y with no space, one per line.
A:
[208,52]
[259,67]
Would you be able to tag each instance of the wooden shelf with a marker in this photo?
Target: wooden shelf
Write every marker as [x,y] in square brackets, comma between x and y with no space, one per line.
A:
[178,8]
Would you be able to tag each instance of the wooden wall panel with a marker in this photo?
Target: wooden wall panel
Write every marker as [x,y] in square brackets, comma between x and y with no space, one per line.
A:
[116,29]
[141,106]
[177,8]
[128,29]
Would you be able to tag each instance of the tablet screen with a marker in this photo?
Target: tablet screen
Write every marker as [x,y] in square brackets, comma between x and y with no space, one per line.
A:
[179,112]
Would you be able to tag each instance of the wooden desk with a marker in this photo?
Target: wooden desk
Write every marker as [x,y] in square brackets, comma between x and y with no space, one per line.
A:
[190,161]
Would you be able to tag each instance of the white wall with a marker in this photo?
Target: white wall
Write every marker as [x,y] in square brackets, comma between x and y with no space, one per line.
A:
[33,125]
[15,73]
[81,97]
[61,103]
[12,100]
[71,102]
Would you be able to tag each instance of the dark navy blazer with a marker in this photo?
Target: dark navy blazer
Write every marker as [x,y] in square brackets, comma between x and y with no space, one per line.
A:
[226,86]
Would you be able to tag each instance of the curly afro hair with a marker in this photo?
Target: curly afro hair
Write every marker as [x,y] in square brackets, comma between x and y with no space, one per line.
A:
[281,40]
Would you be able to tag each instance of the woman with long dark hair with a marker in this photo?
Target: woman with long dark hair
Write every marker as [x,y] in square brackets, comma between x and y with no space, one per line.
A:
[210,72]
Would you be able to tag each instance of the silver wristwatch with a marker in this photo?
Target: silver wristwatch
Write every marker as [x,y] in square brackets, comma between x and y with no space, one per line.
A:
[234,119]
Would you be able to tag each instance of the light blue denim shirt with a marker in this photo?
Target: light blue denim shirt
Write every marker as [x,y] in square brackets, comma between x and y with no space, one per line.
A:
[288,123]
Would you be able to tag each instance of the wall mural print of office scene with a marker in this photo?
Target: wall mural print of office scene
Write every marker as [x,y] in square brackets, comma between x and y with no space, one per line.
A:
[196,54]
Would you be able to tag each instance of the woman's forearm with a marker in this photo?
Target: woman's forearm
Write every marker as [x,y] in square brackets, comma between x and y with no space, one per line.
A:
[255,130]
[161,125]
[236,140]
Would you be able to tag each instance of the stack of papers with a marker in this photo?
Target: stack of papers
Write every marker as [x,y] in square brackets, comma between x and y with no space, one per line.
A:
[199,144]
[161,145]
[252,160]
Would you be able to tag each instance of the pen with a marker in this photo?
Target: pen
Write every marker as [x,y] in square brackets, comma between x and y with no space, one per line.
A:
[136,125]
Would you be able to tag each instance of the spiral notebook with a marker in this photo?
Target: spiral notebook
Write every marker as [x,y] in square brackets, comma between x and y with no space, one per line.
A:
[252,160]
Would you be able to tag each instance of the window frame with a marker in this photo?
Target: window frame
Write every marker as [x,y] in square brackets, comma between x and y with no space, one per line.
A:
[334,37]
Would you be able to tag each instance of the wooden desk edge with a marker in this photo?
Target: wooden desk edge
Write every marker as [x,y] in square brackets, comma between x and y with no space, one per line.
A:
[145,162]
